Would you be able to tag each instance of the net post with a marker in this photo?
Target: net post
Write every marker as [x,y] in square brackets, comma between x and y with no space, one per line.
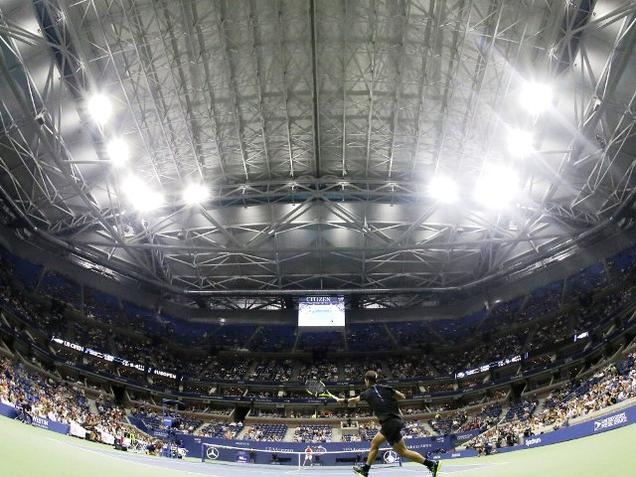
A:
[202,451]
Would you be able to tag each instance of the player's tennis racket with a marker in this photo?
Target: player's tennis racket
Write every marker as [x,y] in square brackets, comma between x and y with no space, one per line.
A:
[317,388]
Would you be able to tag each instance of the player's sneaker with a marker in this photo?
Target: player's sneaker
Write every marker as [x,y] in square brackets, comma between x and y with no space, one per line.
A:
[361,471]
[437,466]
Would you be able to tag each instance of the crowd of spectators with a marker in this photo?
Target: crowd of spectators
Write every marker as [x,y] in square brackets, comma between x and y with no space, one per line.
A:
[167,419]
[274,338]
[220,429]
[265,432]
[535,328]
[414,429]
[273,413]
[219,369]
[327,371]
[330,413]
[36,396]
[521,410]
[233,391]
[313,433]
[359,335]
[365,432]
[39,396]
[275,370]
[449,424]
[353,371]
[408,368]
[609,386]
[411,333]
[535,324]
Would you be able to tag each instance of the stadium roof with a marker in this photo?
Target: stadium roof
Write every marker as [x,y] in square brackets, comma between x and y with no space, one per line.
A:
[315,129]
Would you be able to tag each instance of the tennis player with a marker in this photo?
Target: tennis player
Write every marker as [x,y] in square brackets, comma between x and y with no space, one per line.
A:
[309,457]
[383,401]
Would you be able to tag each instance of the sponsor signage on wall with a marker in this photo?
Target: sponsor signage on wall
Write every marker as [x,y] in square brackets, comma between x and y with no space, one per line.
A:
[113,359]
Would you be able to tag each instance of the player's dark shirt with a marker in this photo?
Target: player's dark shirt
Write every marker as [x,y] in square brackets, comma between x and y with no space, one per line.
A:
[382,401]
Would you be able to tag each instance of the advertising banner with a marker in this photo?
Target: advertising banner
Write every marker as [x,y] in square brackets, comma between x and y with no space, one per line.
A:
[77,430]
[42,422]
[107,438]
[455,454]
[466,436]
[193,445]
[600,424]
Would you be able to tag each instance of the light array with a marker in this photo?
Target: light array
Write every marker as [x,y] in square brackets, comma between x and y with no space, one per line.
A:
[496,187]
[498,184]
[100,108]
[140,196]
[195,194]
[536,97]
[520,143]
[118,152]
[444,189]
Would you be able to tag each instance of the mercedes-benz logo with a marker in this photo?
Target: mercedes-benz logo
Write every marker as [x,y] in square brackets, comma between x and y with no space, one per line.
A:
[212,453]
[390,457]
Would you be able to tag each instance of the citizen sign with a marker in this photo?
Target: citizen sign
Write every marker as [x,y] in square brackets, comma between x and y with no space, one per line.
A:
[318,299]
[611,421]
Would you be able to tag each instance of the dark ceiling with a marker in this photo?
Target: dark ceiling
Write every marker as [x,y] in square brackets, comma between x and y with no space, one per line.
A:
[316,127]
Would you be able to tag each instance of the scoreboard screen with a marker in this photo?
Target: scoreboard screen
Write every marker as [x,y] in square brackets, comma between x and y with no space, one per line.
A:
[321,312]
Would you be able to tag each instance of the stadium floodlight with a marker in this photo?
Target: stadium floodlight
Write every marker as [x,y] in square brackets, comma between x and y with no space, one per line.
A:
[497,186]
[536,97]
[118,152]
[443,189]
[100,108]
[520,143]
[195,194]
[141,197]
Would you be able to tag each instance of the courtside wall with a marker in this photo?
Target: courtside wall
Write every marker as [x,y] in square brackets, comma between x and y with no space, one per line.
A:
[440,446]
[434,445]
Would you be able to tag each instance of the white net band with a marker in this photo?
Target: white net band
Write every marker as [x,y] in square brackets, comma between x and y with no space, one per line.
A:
[318,456]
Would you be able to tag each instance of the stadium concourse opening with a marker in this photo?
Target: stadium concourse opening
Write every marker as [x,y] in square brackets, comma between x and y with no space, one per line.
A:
[248,237]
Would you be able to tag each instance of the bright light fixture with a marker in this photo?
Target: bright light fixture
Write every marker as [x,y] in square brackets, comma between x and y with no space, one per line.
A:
[195,194]
[520,143]
[141,197]
[536,97]
[117,151]
[497,186]
[100,107]
[444,189]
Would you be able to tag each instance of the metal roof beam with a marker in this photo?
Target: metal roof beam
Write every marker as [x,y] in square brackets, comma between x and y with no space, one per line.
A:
[234,95]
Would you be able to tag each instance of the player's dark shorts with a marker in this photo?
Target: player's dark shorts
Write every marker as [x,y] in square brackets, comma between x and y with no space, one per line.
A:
[392,430]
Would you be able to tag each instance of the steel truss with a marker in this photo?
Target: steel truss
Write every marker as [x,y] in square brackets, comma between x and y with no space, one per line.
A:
[317,126]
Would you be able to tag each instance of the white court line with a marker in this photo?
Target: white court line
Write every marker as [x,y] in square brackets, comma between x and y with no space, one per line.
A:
[412,469]
[479,467]
[328,471]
